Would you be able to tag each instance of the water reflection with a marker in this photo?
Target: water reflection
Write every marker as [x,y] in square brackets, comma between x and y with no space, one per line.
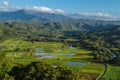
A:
[114,55]
[77,63]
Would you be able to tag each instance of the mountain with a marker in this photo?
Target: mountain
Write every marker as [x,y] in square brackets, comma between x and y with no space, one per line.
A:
[56,21]
[94,16]
[32,15]
[110,35]
[49,16]
[16,15]
[47,27]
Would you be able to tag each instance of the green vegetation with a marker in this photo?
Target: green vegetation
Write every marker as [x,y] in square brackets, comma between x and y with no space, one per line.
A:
[23,52]
[24,44]
[41,71]
[113,73]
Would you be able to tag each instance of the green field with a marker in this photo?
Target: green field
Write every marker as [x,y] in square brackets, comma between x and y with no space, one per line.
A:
[23,52]
[113,73]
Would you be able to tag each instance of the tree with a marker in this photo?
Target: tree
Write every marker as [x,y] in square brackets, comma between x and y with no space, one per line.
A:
[41,71]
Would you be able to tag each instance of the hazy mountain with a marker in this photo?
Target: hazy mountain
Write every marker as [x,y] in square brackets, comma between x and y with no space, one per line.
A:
[49,16]
[94,16]
[16,15]
[40,15]
[66,23]
[32,15]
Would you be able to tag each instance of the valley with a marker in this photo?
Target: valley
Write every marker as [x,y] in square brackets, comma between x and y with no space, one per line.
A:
[71,50]
[77,59]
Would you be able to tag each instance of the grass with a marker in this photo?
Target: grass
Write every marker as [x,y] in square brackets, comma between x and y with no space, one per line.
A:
[113,73]
[94,68]
[23,60]
[82,55]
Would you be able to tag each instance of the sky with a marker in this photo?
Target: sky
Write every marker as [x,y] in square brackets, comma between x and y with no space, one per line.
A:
[88,7]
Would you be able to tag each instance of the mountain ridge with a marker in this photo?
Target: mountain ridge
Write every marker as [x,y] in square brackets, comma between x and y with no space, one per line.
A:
[46,16]
[29,15]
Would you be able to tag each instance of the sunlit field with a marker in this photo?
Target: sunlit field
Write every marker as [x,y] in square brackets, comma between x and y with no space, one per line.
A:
[58,54]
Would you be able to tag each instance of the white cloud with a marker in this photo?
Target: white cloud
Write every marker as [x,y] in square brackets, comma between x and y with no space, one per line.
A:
[44,9]
[95,16]
[5,3]
[6,6]
[59,11]
[98,14]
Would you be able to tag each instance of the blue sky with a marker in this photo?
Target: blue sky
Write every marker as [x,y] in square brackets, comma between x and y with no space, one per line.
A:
[73,6]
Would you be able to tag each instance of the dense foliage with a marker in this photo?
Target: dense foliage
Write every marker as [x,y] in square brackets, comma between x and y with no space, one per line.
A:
[41,71]
[48,28]
[104,43]
[36,71]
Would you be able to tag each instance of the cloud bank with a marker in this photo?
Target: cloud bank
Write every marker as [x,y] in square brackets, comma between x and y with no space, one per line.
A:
[98,14]
[44,9]
[95,16]
[6,6]
[5,3]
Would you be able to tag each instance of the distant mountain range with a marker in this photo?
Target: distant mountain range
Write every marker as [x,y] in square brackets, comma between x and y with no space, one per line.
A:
[45,16]
[32,15]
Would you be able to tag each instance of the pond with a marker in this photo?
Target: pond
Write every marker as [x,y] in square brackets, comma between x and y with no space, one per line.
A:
[71,47]
[70,54]
[50,56]
[114,55]
[77,63]
[40,54]
[57,54]
[39,50]
[44,57]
